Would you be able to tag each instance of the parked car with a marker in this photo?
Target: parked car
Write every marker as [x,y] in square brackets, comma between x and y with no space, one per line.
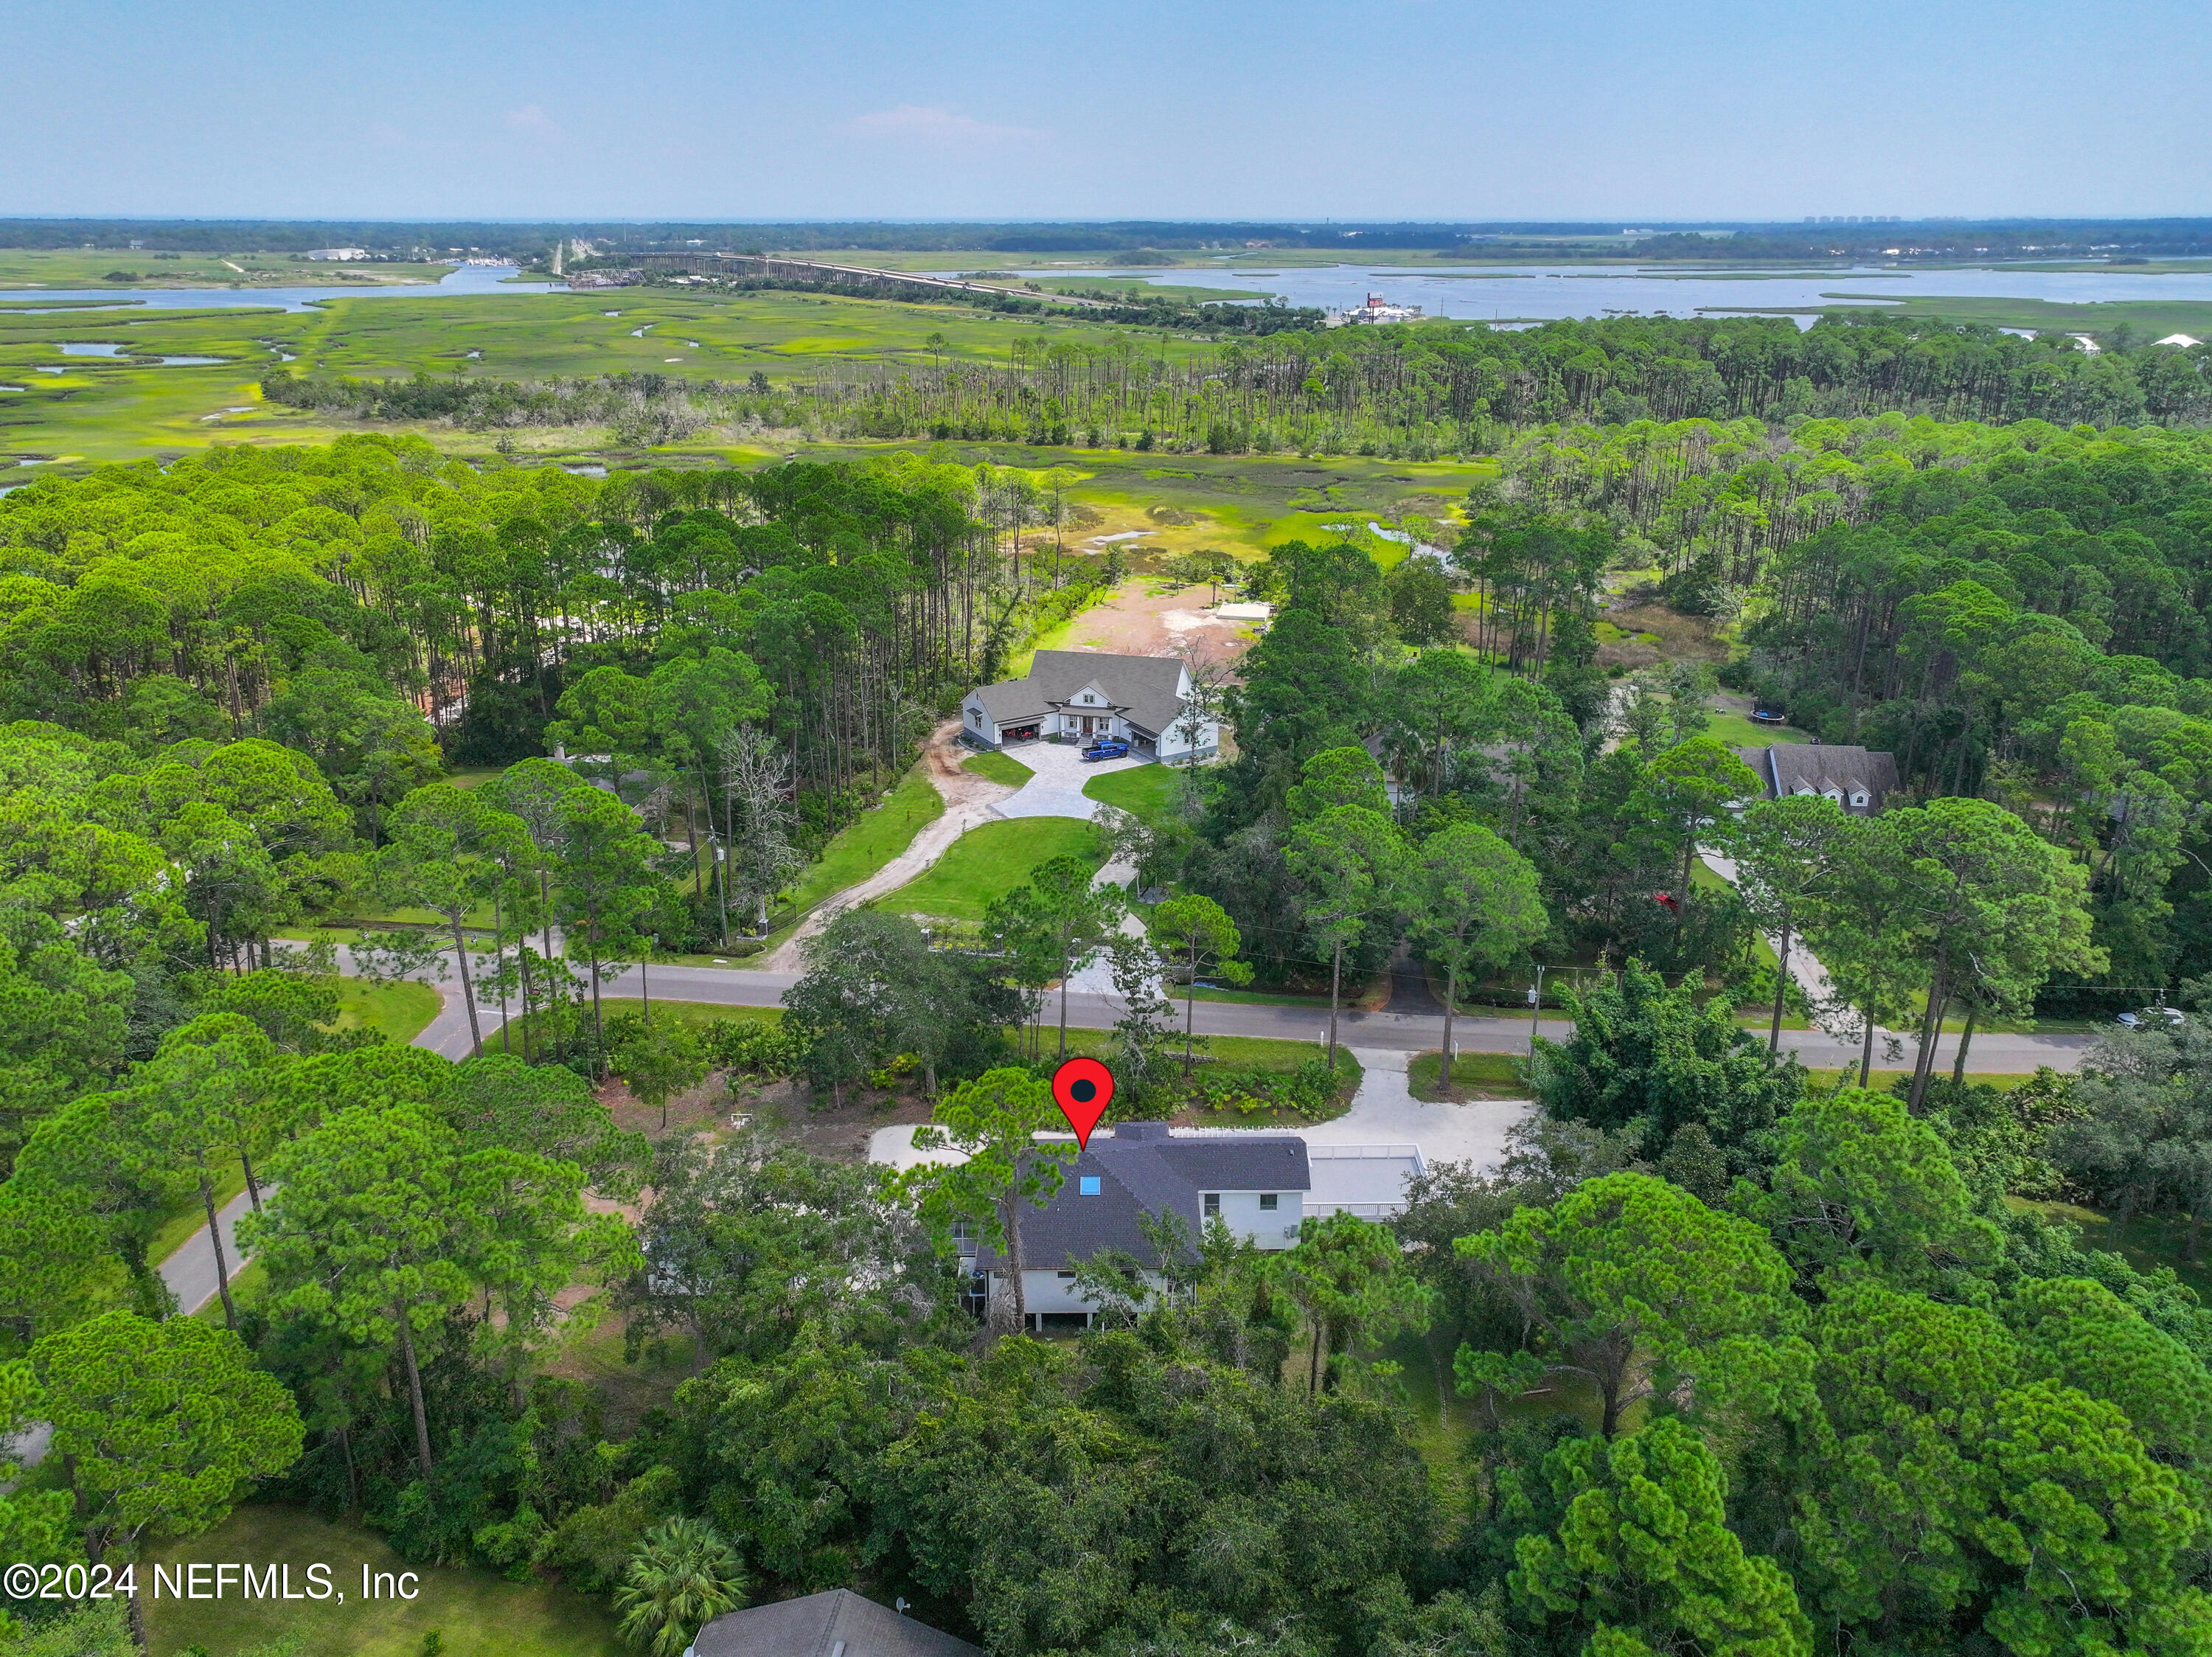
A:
[2150,1017]
[1106,747]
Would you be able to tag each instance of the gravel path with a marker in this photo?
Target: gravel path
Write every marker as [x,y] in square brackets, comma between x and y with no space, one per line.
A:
[970,801]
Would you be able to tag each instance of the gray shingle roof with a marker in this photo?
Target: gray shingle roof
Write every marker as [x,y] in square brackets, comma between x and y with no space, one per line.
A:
[838,1623]
[1789,767]
[1141,1170]
[1143,687]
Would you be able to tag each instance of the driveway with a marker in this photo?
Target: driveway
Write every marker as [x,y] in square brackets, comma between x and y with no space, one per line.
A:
[1056,790]
[970,800]
[1383,1113]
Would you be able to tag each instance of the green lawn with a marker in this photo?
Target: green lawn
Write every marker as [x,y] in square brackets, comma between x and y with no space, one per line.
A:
[400,1011]
[1881,1079]
[1738,731]
[1001,768]
[696,1013]
[1265,997]
[249,1286]
[190,1214]
[988,862]
[1483,1075]
[475,1613]
[879,836]
[1144,791]
[2146,1241]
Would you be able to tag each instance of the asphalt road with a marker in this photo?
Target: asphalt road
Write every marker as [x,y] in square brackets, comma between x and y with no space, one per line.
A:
[190,1272]
[1990,1054]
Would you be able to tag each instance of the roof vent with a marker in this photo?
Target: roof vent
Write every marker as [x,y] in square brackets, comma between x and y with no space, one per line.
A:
[1141,1131]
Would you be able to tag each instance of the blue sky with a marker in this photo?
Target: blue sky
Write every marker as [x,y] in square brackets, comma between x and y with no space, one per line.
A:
[1195,108]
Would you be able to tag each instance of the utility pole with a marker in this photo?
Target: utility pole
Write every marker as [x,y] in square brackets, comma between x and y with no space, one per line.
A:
[1535,1008]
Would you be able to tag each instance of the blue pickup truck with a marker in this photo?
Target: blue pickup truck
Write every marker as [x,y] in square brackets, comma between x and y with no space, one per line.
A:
[1106,747]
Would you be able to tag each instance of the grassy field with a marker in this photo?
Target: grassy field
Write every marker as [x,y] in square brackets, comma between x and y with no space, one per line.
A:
[399,1012]
[988,862]
[1738,732]
[102,409]
[76,268]
[474,1612]
[1267,997]
[1882,1080]
[1001,768]
[880,835]
[2146,1241]
[1238,1052]
[1478,1075]
[697,1014]
[247,1287]
[188,1214]
[1144,791]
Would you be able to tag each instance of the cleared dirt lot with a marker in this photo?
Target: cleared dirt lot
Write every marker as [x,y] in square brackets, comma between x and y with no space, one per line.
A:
[1145,617]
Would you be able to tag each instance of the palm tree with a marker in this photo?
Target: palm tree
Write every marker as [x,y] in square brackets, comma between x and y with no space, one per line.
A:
[681,1576]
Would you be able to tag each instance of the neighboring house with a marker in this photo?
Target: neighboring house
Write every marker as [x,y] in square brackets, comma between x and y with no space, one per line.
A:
[838,1623]
[1857,779]
[1081,694]
[340,255]
[1255,1183]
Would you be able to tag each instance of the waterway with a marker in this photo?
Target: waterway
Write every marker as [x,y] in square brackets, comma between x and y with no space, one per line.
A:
[465,282]
[1532,293]
[1505,294]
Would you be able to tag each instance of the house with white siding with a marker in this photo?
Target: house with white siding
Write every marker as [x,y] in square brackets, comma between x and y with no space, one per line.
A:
[1254,1183]
[1082,694]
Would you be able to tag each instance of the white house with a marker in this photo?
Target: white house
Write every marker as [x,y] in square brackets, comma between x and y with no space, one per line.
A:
[1254,1183]
[339,255]
[1082,694]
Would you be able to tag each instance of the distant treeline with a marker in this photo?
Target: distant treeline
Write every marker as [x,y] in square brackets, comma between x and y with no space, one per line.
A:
[1131,241]
[643,409]
[1432,388]
[1216,318]
[1407,391]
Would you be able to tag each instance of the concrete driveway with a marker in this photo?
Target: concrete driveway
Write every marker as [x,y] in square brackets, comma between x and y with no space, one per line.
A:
[1056,790]
[1383,1113]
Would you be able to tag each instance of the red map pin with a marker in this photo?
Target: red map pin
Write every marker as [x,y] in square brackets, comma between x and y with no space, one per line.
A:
[1084,1088]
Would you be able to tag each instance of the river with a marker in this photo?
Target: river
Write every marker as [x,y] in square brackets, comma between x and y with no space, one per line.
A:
[1471,292]
[1527,293]
[465,282]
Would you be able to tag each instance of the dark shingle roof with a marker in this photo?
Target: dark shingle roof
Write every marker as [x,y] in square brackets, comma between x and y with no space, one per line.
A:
[1791,767]
[1139,1170]
[1144,687]
[838,1623]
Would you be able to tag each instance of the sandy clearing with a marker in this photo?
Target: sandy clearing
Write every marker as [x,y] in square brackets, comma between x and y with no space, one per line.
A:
[1138,621]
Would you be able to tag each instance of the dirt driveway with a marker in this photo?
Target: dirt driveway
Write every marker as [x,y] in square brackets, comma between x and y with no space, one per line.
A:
[969,799]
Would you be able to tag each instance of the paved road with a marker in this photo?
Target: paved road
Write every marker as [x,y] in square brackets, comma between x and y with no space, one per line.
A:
[190,1272]
[1991,1054]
